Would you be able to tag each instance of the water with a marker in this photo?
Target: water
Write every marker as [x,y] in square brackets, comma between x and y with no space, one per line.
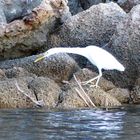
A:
[37,124]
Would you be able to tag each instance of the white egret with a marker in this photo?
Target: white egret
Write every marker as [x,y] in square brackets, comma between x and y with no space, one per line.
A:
[97,56]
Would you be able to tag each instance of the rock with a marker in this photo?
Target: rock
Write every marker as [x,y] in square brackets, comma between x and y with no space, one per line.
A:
[86,74]
[17,72]
[137,82]
[122,95]
[2,75]
[77,6]
[17,9]
[46,89]
[135,92]
[2,15]
[58,67]
[125,47]
[10,97]
[74,6]
[29,35]
[37,88]
[71,99]
[135,95]
[127,5]
[93,26]
[103,99]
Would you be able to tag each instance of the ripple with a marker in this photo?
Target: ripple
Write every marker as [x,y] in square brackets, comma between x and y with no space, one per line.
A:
[75,125]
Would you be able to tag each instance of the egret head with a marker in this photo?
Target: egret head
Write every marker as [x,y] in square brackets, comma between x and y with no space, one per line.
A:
[47,54]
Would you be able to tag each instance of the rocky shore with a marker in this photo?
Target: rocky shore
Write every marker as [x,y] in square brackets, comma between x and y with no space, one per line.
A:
[55,82]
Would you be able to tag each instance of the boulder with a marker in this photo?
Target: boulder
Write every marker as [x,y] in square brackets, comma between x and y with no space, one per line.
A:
[17,72]
[17,9]
[94,26]
[58,67]
[127,5]
[38,88]
[125,45]
[70,98]
[122,95]
[28,35]
[103,99]
[77,6]
[135,95]
[10,97]
[86,74]
[45,89]
[2,75]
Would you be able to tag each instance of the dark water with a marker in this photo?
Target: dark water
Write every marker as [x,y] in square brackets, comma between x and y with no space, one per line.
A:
[36,124]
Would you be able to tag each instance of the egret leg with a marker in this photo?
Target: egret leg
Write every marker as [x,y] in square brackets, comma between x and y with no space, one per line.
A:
[97,77]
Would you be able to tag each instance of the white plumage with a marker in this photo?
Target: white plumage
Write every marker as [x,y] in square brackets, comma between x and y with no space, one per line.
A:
[97,56]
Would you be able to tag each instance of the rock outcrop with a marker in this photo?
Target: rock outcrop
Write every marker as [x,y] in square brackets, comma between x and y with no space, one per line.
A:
[56,82]
[58,67]
[127,5]
[94,26]
[26,36]
[125,45]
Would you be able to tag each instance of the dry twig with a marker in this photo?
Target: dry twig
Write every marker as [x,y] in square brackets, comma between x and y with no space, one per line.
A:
[38,103]
[82,97]
[83,92]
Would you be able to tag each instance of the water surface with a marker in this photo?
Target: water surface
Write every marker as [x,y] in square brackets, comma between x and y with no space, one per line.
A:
[39,124]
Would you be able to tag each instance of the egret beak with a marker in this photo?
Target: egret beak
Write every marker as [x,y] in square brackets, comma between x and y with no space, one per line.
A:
[39,58]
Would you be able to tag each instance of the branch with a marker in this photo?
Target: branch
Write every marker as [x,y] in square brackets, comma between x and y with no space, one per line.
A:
[88,98]
[38,103]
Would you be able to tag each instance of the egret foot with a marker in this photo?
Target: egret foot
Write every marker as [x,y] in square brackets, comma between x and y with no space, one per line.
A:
[91,80]
[96,86]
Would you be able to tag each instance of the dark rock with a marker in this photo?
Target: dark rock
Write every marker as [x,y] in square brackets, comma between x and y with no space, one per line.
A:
[135,92]
[17,9]
[127,5]
[77,6]
[17,72]
[135,95]
[58,67]
[2,15]
[85,4]
[125,45]
[93,26]
[74,6]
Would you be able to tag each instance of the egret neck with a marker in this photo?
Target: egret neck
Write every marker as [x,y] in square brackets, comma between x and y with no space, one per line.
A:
[76,50]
